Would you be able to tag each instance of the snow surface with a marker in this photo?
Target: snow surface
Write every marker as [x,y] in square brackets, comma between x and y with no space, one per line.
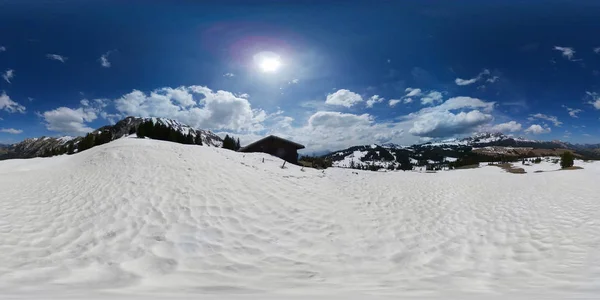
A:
[144,219]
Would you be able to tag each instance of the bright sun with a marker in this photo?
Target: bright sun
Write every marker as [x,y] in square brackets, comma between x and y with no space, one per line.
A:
[268,62]
[269,65]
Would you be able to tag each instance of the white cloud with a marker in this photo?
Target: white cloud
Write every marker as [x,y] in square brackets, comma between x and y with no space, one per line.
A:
[393,102]
[412,92]
[220,110]
[104,60]
[8,75]
[7,104]
[552,119]
[69,121]
[294,81]
[446,123]
[567,52]
[228,75]
[373,100]
[462,82]
[465,102]
[111,118]
[572,111]
[595,99]
[84,102]
[60,58]
[597,50]
[511,126]
[11,130]
[537,129]
[331,119]
[2,48]
[432,97]
[344,98]
[440,121]
[493,79]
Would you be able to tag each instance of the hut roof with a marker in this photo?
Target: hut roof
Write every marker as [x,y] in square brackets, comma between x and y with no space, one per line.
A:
[298,146]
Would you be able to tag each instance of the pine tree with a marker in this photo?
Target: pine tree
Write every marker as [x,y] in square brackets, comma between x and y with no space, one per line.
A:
[229,143]
[198,139]
[237,145]
[70,149]
[566,159]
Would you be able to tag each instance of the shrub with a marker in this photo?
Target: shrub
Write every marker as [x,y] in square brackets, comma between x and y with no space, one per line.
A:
[566,159]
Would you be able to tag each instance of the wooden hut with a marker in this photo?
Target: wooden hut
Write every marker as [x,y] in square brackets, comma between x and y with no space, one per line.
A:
[274,145]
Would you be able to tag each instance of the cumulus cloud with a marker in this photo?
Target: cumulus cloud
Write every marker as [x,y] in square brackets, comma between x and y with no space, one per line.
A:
[443,121]
[446,123]
[595,99]
[228,75]
[2,48]
[511,126]
[57,57]
[104,60]
[373,100]
[69,121]
[9,105]
[8,75]
[393,102]
[331,119]
[597,50]
[11,130]
[197,106]
[572,111]
[432,97]
[552,119]
[537,129]
[567,52]
[410,92]
[344,98]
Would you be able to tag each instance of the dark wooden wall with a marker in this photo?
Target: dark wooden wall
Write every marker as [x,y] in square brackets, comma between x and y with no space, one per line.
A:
[279,148]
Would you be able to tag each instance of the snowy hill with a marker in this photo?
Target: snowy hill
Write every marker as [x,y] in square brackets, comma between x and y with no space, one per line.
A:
[145,218]
[44,146]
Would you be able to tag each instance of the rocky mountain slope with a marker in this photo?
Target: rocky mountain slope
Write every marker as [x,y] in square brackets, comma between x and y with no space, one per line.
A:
[36,147]
[482,146]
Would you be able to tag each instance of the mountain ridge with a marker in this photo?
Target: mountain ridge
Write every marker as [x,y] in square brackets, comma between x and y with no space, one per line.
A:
[479,147]
[46,146]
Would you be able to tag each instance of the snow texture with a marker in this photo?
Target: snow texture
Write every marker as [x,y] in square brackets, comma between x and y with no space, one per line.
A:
[145,219]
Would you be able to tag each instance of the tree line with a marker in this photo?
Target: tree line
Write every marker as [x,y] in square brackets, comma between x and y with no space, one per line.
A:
[159,131]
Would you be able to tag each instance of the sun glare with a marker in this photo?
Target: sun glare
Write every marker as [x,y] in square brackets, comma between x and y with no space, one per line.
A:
[269,65]
[268,62]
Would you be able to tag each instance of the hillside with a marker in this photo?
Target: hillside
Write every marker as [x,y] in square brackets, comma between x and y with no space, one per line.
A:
[480,147]
[48,146]
[145,219]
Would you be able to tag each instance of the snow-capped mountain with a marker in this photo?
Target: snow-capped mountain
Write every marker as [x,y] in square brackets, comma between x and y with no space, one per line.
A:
[43,146]
[445,151]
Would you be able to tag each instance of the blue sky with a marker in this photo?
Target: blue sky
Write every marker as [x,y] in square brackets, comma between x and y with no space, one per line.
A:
[329,74]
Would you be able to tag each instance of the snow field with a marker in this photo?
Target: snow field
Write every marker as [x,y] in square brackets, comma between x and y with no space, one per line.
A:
[138,217]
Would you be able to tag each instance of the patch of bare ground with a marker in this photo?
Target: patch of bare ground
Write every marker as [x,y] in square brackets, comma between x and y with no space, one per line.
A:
[572,168]
[565,169]
[475,166]
[508,167]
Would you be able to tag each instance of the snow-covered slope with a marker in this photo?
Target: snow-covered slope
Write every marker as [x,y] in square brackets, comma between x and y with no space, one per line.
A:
[146,218]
